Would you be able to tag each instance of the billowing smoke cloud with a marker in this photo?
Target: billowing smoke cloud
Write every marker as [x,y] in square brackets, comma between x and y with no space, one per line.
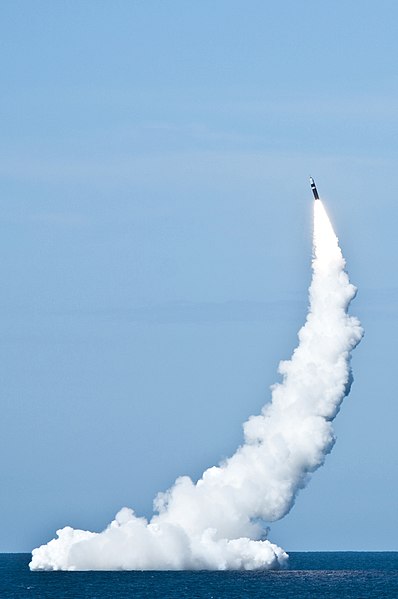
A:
[218,522]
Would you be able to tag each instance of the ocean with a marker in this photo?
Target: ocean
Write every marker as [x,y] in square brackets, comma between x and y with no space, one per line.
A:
[343,575]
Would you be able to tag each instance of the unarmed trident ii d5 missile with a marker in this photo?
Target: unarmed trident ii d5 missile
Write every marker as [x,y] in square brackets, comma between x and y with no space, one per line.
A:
[314,189]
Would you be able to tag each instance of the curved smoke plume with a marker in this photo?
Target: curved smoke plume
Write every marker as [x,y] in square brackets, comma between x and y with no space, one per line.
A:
[216,523]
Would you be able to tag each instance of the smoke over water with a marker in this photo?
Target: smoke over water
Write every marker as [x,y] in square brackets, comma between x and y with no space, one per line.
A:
[218,522]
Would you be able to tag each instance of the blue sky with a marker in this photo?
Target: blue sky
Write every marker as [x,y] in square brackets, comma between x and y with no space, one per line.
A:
[156,243]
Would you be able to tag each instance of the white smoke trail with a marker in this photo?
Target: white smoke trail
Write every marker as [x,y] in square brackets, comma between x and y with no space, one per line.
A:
[217,522]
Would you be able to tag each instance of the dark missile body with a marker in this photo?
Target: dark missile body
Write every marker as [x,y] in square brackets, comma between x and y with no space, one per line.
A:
[314,189]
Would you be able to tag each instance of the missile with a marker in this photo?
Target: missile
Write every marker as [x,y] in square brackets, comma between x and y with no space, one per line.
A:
[314,189]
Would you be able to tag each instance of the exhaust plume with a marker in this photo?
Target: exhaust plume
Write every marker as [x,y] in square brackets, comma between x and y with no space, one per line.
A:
[218,522]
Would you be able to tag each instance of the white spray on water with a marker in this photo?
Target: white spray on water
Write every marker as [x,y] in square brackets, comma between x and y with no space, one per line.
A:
[218,522]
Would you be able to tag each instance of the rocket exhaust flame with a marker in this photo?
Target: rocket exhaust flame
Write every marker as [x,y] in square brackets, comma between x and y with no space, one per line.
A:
[215,523]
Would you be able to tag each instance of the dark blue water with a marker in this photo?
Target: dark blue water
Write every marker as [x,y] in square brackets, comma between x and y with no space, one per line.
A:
[339,575]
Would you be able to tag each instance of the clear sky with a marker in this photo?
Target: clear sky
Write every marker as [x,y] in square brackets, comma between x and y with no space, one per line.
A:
[156,244]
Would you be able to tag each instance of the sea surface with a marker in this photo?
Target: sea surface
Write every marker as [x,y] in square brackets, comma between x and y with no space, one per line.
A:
[340,575]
